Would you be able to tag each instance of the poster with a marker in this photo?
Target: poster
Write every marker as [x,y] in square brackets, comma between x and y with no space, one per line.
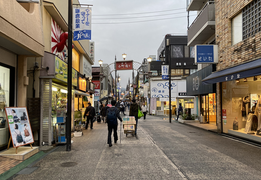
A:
[224,116]
[19,126]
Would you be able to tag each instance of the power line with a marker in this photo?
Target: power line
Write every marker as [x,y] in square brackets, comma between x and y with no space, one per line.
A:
[141,16]
[140,21]
[138,13]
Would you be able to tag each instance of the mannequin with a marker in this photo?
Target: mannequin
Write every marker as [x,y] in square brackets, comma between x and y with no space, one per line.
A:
[258,113]
[245,107]
[2,99]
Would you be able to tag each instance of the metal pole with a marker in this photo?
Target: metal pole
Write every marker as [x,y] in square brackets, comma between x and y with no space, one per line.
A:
[69,80]
[115,79]
[168,58]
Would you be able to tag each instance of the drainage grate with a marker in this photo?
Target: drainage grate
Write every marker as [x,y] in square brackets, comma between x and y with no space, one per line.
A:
[69,164]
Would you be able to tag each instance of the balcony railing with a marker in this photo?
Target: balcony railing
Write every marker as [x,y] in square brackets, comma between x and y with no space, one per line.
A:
[205,18]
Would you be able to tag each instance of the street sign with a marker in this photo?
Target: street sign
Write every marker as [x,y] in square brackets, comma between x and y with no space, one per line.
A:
[165,71]
[206,54]
[124,65]
[82,23]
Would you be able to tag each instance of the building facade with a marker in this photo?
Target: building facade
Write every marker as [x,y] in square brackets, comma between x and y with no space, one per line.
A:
[238,33]
[20,44]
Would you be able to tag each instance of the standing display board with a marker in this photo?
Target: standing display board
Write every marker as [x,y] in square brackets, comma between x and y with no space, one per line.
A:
[19,126]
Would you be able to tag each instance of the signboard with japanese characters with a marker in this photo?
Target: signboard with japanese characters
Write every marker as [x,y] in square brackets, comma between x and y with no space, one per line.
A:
[92,50]
[206,54]
[96,84]
[165,71]
[82,84]
[82,23]
[124,65]
[96,94]
[160,89]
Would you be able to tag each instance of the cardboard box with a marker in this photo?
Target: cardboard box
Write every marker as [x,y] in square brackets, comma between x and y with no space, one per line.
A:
[129,120]
[129,127]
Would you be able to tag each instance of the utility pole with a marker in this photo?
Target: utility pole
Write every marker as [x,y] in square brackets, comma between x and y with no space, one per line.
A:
[69,79]
[168,59]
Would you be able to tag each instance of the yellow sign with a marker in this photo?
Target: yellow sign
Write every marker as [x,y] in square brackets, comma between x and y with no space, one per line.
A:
[82,84]
[61,71]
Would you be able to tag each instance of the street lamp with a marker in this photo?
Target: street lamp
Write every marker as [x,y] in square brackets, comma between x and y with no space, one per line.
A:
[124,56]
[100,62]
[149,59]
[118,80]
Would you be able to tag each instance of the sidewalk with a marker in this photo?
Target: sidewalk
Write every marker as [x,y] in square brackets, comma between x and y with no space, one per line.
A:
[92,158]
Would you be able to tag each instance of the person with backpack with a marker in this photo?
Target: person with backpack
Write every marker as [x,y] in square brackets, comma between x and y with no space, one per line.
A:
[90,114]
[113,114]
[122,107]
[134,107]
[18,136]
[103,112]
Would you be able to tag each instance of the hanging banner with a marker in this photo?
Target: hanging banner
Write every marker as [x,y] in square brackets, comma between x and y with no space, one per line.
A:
[97,84]
[165,71]
[82,23]
[124,65]
[19,126]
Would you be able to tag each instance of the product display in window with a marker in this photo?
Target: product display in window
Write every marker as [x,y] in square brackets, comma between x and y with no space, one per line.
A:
[2,99]
[245,107]
[258,113]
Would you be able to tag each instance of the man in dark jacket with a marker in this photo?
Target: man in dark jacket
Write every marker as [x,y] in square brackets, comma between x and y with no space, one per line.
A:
[103,113]
[112,114]
[90,113]
[134,112]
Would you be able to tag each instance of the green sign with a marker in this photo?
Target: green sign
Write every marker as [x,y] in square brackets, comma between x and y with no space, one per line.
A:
[61,71]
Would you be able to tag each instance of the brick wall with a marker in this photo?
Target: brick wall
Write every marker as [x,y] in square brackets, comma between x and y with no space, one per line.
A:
[246,50]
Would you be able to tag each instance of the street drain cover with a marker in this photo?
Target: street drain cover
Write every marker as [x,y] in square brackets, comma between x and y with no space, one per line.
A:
[192,132]
[69,164]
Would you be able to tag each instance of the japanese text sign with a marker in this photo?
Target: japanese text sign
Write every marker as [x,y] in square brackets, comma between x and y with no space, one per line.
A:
[97,84]
[82,84]
[124,65]
[206,54]
[82,23]
[165,71]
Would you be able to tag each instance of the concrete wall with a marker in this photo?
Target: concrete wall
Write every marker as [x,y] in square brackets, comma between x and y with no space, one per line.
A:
[21,26]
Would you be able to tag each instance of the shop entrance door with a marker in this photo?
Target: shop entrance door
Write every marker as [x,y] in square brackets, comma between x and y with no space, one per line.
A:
[204,108]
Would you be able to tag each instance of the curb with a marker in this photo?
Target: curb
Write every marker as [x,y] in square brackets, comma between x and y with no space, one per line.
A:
[21,166]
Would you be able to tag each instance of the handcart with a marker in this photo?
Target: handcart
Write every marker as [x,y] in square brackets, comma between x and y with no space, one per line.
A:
[129,125]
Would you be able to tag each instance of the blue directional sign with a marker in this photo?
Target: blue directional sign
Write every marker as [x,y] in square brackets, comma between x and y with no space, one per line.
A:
[206,54]
[165,71]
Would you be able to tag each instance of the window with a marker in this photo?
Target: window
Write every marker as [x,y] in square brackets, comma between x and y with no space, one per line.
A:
[177,51]
[237,29]
[192,52]
[193,71]
[186,71]
[187,51]
[176,72]
[251,19]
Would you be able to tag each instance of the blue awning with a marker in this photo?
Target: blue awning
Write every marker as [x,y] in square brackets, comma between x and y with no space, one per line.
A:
[245,70]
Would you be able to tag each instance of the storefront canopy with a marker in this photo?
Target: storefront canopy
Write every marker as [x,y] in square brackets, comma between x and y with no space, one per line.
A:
[245,70]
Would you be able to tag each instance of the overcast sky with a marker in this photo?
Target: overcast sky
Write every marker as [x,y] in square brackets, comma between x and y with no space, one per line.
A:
[116,30]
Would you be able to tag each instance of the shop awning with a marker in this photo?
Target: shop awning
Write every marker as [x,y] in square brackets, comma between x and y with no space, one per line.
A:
[81,93]
[245,70]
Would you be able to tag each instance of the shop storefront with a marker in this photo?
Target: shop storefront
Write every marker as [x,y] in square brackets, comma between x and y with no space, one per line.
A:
[81,99]
[205,94]
[240,97]
[54,99]
[7,86]
[160,94]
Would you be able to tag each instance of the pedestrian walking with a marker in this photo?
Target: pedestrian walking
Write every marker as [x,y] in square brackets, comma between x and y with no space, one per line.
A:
[144,110]
[180,111]
[113,114]
[128,104]
[134,107]
[90,114]
[103,112]
[122,106]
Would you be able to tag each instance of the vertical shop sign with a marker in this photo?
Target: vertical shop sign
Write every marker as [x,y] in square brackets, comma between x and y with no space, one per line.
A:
[82,23]
[92,51]
[165,71]
[97,84]
[224,116]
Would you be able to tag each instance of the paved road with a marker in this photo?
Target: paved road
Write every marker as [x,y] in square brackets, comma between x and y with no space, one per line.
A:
[162,151]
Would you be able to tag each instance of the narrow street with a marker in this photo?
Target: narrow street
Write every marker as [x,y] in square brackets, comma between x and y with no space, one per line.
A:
[162,151]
